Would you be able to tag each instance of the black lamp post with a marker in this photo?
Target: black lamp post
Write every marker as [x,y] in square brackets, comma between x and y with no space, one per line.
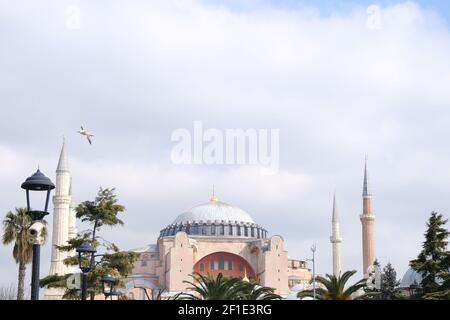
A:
[85,251]
[37,182]
[109,286]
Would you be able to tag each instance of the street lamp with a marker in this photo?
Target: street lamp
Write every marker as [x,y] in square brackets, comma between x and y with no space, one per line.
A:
[85,251]
[109,286]
[37,182]
[313,249]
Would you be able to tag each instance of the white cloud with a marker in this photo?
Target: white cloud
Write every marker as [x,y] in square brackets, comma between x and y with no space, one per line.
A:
[335,89]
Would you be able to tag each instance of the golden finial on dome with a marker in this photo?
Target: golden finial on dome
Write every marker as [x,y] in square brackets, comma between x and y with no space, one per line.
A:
[245,275]
[213,196]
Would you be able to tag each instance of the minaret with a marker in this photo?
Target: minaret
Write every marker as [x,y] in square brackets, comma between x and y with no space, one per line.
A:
[336,240]
[61,221]
[368,221]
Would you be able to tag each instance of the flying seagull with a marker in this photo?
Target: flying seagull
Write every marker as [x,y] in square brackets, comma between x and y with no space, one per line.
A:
[86,134]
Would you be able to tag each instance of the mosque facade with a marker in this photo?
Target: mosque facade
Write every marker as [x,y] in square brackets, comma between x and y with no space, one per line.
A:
[210,238]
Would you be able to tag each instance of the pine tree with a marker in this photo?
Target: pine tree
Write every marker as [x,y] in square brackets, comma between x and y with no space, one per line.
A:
[389,283]
[101,212]
[433,261]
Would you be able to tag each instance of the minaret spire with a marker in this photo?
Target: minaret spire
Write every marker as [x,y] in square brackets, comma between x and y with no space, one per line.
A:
[336,239]
[63,163]
[366,180]
[63,221]
[368,223]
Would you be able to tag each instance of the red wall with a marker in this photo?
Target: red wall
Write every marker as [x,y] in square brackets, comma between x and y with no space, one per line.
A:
[239,264]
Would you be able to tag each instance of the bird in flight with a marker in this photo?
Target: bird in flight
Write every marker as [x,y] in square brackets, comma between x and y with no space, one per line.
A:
[88,136]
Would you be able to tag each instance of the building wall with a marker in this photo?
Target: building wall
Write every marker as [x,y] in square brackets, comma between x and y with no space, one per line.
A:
[266,261]
[230,265]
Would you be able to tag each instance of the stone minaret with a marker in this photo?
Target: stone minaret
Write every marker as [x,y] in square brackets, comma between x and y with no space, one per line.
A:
[63,221]
[336,240]
[368,221]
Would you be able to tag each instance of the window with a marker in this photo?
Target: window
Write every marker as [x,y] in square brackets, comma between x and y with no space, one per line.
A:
[202,266]
[221,263]
[258,233]
[211,264]
[246,231]
[213,229]
[230,264]
[143,263]
[194,229]
[230,230]
[222,229]
[238,229]
[252,231]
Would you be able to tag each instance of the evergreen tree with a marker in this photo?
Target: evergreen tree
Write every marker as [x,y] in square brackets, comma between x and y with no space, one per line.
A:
[102,211]
[433,262]
[389,283]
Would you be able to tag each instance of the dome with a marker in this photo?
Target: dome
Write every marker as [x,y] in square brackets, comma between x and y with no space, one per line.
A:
[215,219]
[214,211]
[411,277]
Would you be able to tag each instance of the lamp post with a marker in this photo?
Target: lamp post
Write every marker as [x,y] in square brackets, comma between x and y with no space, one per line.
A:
[109,286]
[313,249]
[85,251]
[37,182]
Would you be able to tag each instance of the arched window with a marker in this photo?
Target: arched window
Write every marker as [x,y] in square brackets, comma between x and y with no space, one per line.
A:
[202,266]
[230,264]
[221,263]
[221,229]
[211,264]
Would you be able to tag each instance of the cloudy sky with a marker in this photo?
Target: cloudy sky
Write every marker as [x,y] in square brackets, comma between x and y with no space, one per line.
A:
[337,83]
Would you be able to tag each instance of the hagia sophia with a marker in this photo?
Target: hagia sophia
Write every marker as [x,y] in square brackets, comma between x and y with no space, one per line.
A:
[210,238]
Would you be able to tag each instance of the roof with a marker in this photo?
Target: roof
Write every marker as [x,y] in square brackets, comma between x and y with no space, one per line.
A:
[214,210]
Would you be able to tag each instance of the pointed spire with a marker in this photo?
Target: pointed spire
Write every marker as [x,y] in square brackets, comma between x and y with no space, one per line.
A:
[213,196]
[63,163]
[335,211]
[366,180]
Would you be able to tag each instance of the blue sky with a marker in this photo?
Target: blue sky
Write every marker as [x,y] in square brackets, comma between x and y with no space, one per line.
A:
[332,7]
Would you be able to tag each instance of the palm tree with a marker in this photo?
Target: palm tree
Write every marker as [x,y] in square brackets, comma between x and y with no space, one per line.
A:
[253,291]
[224,288]
[210,288]
[334,288]
[15,229]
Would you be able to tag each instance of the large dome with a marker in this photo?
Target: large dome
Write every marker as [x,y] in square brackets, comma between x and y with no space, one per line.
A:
[215,219]
[214,211]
